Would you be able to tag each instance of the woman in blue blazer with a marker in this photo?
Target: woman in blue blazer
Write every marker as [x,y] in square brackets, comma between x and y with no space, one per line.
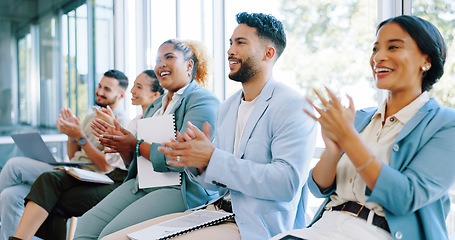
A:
[386,172]
[180,66]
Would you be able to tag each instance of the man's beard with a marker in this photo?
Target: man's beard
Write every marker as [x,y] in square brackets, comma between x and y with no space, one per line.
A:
[101,104]
[104,104]
[247,70]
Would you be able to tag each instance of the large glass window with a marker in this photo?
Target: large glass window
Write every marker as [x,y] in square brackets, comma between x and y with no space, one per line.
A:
[25,86]
[49,44]
[75,60]
[328,43]
[28,93]
[6,84]
[442,15]
[87,52]
[103,41]
[195,23]
[187,20]
[163,24]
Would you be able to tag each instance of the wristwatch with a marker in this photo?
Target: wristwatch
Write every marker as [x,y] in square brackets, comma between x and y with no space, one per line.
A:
[82,141]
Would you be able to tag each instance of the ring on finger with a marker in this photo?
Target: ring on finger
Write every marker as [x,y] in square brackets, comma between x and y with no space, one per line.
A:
[178,158]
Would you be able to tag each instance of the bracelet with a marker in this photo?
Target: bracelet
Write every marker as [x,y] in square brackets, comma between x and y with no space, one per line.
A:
[359,169]
[138,153]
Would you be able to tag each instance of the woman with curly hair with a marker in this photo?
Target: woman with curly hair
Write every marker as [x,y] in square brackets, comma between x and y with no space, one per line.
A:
[181,67]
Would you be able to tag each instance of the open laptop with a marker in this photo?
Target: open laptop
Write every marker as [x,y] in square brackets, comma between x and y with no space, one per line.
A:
[33,146]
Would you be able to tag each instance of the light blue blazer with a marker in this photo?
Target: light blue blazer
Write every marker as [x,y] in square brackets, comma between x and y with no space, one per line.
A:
[266,177]
[196,105]
[413,190]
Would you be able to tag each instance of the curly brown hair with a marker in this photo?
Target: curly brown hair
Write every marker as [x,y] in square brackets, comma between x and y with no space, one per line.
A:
[196,51]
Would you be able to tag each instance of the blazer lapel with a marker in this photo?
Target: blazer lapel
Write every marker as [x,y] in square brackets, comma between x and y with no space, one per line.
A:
[259,109]
[153,107]
[363,118]
[414,121]
[187,91]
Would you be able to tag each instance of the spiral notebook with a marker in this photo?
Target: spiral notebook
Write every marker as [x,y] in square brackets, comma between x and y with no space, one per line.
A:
[181,225]
[156,129]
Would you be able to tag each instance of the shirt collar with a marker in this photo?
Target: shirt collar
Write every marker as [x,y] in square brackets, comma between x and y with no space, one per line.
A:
[406,113]
[175,96]
[182,90]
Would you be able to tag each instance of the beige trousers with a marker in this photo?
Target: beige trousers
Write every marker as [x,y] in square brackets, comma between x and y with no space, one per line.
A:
[226,230]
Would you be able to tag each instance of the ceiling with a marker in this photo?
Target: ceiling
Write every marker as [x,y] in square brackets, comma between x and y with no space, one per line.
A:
[18,10]
[23,11]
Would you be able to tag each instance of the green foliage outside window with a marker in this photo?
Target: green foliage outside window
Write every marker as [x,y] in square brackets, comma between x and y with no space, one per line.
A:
[330,42]
[442,14]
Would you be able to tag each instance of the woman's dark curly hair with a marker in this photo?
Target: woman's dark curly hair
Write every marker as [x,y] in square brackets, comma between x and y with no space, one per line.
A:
[267,26]
[430,42]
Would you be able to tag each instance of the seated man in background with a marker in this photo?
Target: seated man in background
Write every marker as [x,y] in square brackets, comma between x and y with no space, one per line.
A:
[18,174]
[58,193]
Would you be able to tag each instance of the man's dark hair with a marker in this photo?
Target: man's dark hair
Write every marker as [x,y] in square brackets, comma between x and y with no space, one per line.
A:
[120,76]
[156,86]
[267,26]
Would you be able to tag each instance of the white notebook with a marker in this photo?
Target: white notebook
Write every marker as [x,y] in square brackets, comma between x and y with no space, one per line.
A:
[156,129]
[178,226]
[86,175]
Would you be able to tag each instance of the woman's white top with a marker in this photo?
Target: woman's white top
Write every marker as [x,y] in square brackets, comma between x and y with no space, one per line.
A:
[379,138]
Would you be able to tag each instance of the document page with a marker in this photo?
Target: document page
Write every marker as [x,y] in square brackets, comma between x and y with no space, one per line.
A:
[156,129]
